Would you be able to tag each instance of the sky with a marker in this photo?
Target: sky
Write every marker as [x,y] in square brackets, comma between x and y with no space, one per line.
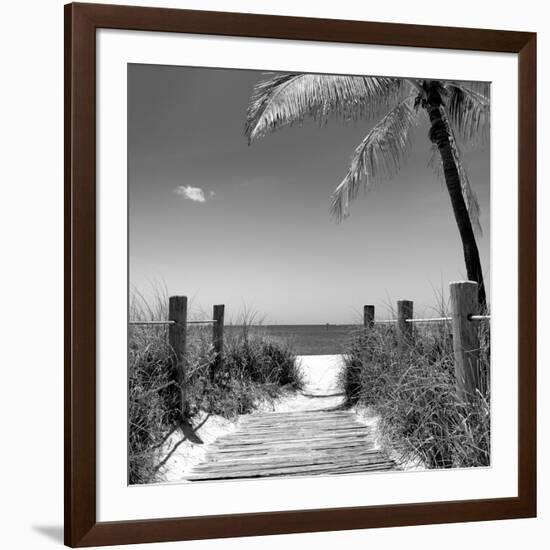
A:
[222,222]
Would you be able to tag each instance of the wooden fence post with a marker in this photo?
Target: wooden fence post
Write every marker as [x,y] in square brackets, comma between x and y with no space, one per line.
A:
[368,316]
[465,338]
[404,329]
[217,333]
[177,338]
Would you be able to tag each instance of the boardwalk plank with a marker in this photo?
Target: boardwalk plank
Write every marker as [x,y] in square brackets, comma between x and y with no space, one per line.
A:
[285,451]
[297,471]
[241,439]
[293,444]
[293,460]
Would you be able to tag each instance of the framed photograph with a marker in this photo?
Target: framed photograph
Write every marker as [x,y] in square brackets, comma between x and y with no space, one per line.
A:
[300,275]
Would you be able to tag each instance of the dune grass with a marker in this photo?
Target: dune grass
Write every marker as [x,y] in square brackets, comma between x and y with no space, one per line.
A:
[253,369]
[413,393]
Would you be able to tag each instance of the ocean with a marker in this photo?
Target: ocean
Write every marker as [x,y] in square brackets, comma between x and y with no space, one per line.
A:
[306,339]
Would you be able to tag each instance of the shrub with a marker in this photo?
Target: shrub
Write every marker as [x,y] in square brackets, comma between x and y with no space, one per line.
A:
[253,368]
[413,393]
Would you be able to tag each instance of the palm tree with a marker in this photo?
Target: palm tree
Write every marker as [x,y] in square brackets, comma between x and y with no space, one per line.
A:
[455,110]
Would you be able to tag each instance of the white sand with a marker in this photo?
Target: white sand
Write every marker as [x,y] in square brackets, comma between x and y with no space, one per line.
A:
[321,389]
[185,448]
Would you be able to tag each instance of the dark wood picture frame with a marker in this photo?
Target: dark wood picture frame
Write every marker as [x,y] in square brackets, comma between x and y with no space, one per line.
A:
[81,23]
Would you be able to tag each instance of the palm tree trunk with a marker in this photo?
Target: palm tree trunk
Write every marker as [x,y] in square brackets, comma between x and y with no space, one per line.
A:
[440,136]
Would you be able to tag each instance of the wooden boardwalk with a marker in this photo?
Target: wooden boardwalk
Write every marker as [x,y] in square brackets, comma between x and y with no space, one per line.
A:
[298,443]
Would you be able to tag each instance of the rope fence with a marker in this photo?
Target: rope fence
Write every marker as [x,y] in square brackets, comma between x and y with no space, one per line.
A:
[433,320]
[465,313]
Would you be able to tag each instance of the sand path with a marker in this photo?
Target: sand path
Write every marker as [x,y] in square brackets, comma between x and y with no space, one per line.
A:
[321,389]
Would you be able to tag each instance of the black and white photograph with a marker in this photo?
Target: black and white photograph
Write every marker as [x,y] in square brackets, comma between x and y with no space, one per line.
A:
[275,275]
[309,289]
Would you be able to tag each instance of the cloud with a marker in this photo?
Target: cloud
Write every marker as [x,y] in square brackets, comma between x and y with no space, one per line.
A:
[191,193]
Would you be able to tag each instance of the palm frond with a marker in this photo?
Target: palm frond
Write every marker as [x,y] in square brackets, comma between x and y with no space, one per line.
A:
[469,195]
[476,86]
[378,157]
[468,105]
[288,98]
